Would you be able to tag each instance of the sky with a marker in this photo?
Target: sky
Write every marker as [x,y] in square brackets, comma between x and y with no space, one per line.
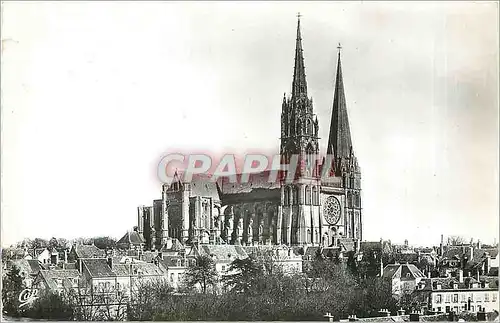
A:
[94,93]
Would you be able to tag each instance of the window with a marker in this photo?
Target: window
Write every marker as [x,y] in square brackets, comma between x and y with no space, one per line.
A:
[486,297]
[447,309]
[287,196]
[314,196]
[295,195]
[471,297]
[223,268]
[308,239]
[171,277]
[472,308]
[178,262]
[455,298]
[494,297]
[439,298]
[462,298]
[448,299]
[439,309]
[308,195]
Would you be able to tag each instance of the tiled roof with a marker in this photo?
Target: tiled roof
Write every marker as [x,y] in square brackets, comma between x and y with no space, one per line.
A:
[172,261]
[98,267]
[51,277]
[134,238]
[221,252]
[448,283]
[271,248]
[88,251]
[405,257]
[148,269]
[29,266]
[256,181]
[401,271]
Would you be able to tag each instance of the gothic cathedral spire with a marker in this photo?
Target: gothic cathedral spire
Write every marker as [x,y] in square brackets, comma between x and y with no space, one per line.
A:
[299,85]
[339,140]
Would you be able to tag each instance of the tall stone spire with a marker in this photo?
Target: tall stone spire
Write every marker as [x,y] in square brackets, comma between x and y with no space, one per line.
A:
[339,140]
[299,85]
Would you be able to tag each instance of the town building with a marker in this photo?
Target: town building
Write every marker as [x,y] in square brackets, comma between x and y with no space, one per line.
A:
[471,294]
[57,280]
[308,211]
[404,278]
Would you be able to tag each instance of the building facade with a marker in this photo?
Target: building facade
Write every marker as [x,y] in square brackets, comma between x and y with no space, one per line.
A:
[307,211]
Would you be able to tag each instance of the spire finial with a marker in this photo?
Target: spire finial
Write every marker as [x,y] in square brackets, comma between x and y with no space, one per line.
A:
[299,15]
[339,47]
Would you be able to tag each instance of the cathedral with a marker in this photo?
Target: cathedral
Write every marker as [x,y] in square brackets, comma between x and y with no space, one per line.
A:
[308,211]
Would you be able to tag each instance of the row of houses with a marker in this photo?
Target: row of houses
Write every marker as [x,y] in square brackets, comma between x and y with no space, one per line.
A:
[103,270]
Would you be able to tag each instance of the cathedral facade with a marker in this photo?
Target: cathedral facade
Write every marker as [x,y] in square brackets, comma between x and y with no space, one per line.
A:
[307,211]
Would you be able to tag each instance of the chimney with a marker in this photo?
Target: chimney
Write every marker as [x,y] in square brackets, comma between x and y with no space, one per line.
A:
[429,274]
[441,246]
[487,263]
[65,255]
[477,275]
[471,253]
[110,262]
[80,265]
[358,245]
[478,244]
[461,276]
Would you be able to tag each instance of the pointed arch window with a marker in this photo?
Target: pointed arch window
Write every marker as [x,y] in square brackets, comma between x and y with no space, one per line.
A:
[308,195]
[309,127]
[314,195]
[295,195]
[349,199]
[287,196]
[308,236]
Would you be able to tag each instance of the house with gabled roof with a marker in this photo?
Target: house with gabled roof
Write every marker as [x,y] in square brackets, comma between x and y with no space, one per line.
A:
[57,280]
[458,294]
[81,251]
[404,278]
[131,240]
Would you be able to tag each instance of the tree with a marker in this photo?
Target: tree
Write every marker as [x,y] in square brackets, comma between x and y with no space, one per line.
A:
[50,306]
[456,240]
[40,243]
[12,286]
[245,275]
[104,242]
[203,273]
[149,298]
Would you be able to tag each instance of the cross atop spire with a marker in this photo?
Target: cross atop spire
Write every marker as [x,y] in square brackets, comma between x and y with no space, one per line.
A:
[299,85]
[339,47]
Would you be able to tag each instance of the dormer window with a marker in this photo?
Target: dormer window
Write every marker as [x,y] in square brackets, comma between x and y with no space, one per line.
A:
[438,286]
[455,286]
